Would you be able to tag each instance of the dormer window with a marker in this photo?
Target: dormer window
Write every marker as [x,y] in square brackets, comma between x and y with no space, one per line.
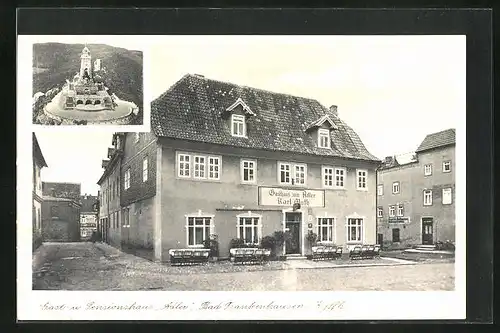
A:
[238,125]
[323,138]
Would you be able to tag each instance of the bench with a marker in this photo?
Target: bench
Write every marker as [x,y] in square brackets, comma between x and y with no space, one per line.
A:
[249,255]
[188,256]
[365,252]
[326,252]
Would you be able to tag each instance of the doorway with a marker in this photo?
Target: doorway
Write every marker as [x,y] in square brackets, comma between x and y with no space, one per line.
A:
[427,231]
[293,223]
[380,239]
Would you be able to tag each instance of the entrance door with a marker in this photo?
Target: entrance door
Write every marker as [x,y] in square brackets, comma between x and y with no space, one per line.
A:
[380,239]
[293,222]
[427,231]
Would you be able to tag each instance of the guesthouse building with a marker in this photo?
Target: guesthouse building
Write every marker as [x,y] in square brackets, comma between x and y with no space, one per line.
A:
[38,164]
[238,162]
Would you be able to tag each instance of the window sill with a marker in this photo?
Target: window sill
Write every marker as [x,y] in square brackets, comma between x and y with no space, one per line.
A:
[362,189]
[201,246]
[334,188]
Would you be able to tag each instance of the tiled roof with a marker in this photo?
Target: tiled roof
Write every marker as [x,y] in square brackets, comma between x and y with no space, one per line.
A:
[192,110]
[436,140]
[50,198]
[88,203]
[62,190]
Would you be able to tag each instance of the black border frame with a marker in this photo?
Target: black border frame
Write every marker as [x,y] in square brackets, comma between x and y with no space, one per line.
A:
[476,24]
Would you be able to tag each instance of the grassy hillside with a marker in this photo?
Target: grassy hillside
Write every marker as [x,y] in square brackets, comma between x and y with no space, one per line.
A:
[53,63]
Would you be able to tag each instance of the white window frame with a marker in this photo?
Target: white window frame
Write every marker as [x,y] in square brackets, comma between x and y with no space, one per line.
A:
[344,176]
[296,173]
[358,178]
[397,186]
[216,167]
[380,189]
[185,164]
[251,166]
[202,167]
[322,222]
[360,229]
[427,169]
[447,189]
[444,166]
[400,210]
[322,135]
[238,119]
[145,169]
[249,215]
[328,176]
[205,236]
[289,171]
[427,202]
[137,137]
[380,212]
[392,211]
[126,184]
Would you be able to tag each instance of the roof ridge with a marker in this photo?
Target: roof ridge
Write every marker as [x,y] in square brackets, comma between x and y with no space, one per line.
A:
[199,76]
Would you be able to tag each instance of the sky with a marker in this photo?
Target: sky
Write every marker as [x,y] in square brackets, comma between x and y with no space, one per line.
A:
[392,90]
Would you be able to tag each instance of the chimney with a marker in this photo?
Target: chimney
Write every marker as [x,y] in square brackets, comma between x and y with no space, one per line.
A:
[388,160]
[333,109]
[105,163]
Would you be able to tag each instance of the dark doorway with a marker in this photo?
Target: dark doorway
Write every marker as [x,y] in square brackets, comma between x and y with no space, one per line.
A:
[88,102]
[427,231]
[293,222]
[79,101]
[380,239]
[395,235]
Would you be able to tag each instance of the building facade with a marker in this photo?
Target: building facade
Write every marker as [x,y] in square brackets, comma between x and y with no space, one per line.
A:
[88,216]
[38,164]
[60,219]
[232,161]
[109,201]
[416,200]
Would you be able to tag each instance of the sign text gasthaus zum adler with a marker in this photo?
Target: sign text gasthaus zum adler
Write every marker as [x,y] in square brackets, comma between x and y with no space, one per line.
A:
[273,196]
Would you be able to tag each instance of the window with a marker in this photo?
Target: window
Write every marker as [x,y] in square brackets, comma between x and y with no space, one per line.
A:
[447,196]
[380,189]
[327,176]
[380,212]
[325,229]
[126,185]
[446,166]
[184,165]
[198,230]
[361,179]
[395,187]
[354,229]
[392,211]
[248,171]
[323,138]
[395,235]
[126,218]
[199,167]
[339,177]
[145,169]
[427,197]
[238,125]
[284,170]
[204,167]
[428,169]
[248,229]
[213,167]
[137,137]
[400,210]
[300,174]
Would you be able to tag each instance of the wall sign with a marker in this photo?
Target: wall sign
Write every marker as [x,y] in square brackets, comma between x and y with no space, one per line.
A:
[274,196]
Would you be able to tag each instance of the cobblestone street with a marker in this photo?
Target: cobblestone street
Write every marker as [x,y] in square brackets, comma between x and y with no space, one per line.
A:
[85,266]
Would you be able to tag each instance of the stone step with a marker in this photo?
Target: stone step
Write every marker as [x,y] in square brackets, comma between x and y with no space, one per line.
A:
[295,257]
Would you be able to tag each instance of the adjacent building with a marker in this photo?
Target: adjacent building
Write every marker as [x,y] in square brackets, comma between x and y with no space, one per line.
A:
[61,212]
[416,199]
[231,161]
[109,195]
[88,216]
[38,164]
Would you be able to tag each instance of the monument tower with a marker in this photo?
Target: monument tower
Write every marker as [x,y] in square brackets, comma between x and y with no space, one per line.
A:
[86,63]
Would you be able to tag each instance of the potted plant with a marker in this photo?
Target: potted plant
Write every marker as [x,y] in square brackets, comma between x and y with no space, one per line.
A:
[212,244]
[280,238]
[311,238]
[235,243]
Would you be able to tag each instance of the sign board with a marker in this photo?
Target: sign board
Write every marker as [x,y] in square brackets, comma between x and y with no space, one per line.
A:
[275,196]
[398,220]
